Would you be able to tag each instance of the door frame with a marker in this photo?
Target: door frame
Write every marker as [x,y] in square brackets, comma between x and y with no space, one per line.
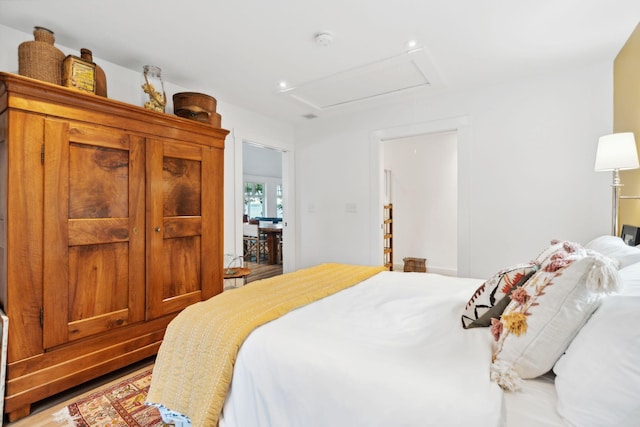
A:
[288,199]
[461,125]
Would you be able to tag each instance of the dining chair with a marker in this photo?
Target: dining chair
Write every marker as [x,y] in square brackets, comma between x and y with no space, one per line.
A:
[263,247]
[250,242]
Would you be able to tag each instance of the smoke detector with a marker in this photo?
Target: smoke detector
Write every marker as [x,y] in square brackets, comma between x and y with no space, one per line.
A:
[323,39]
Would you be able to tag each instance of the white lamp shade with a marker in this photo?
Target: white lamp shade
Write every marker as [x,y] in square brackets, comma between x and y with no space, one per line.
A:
[616,151]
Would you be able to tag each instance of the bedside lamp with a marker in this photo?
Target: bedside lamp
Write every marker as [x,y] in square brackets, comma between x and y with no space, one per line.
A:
[616,152]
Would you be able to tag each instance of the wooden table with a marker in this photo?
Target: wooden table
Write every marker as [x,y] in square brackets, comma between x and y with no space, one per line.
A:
[237,273]
[274,234]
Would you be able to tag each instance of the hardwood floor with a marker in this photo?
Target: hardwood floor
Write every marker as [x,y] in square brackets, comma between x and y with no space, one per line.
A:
[262,271]
[258,272]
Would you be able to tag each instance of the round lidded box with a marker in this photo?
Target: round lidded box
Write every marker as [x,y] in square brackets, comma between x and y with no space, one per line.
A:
[196,106]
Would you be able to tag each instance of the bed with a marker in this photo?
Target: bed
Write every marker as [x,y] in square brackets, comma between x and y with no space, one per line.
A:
[389,348]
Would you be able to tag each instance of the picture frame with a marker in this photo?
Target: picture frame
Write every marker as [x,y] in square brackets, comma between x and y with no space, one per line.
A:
[631,235]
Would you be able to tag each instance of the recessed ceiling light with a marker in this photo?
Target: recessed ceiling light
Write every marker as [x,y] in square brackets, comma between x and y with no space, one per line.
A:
[412,46]
[284,87]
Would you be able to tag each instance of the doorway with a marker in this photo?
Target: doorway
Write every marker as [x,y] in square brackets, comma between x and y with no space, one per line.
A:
[263,210]
[422,176]
[461,231]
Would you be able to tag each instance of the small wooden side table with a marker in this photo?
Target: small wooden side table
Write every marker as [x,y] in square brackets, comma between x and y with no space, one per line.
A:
[237,273]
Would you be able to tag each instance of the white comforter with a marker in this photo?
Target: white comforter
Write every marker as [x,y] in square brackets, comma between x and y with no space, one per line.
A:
[387,352]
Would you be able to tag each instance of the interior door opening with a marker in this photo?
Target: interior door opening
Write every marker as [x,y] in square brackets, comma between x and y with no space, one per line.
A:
[422,171]
[264,210]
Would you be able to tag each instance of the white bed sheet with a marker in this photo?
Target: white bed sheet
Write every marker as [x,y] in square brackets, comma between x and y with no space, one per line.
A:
[389,351]
[534,405]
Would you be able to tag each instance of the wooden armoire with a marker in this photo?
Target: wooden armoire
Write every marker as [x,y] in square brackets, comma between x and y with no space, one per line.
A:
[110,224]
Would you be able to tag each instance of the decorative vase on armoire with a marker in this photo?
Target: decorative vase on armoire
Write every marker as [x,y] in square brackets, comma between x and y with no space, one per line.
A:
[101,78]
[153,98]
[39,58]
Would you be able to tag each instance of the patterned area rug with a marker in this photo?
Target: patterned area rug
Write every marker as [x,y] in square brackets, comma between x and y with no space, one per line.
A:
[119,405]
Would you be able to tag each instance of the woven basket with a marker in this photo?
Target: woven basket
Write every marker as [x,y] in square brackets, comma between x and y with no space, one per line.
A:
[40,59]
[415,264]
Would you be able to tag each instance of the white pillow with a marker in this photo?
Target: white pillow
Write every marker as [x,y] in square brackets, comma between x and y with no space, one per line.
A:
[598,378]
[547,311]
[615,247]
[631,279]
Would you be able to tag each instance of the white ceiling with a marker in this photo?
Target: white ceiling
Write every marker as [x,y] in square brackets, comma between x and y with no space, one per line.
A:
[238,51]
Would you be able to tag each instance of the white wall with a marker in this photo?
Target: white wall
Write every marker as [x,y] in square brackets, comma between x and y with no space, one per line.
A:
[531,147]
[123,85]
[424,194]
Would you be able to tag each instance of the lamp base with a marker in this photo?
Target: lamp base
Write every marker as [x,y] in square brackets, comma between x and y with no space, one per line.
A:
[615,194]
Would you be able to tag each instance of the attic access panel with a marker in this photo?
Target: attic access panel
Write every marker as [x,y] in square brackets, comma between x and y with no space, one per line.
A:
[392,75]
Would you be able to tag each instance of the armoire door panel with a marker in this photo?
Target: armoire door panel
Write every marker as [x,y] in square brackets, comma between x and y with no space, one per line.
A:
[98,182]
[181,267]
[182,227]
[182,180]
[176,272]
[94,216]
[104,268]
[92,231]
[97,324]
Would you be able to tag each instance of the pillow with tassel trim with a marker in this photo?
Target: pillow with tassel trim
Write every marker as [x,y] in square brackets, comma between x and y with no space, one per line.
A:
[546,312]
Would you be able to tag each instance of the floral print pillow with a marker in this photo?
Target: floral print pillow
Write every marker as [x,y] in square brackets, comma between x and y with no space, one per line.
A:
[545,313]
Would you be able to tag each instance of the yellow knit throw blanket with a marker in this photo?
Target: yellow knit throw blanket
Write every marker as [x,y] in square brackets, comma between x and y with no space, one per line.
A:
[193,370]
